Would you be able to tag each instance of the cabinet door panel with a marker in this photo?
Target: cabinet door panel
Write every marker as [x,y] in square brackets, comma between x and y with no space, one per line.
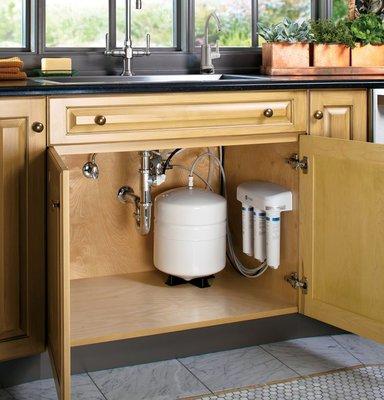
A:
[58,273]
[13,239]
[341,235]
[22,223]
[344,114]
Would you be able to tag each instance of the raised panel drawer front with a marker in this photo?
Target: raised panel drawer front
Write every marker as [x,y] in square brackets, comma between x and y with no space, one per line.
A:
[175,115]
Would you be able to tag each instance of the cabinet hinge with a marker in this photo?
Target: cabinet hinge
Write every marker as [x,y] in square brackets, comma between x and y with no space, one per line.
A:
[296,283]
[296,163]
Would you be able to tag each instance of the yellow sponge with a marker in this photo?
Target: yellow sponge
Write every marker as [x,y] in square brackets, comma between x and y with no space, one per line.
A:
[56,64]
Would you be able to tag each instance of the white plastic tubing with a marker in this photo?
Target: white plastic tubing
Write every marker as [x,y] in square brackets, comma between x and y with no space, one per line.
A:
[249,272]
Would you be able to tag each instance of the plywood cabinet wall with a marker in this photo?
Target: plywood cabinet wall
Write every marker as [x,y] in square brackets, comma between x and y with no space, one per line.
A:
[22,227]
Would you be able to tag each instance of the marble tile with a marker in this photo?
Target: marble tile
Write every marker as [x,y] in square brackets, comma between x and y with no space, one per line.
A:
[312,355]
[237,368]
[4,395]
[82,389]
[166,380]
[367,351]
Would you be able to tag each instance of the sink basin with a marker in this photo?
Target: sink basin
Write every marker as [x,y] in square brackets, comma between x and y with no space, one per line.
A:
[104,80]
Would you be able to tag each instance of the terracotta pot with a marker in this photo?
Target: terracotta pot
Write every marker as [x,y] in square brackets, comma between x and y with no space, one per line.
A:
[285,55]
[368,56]
[331,55]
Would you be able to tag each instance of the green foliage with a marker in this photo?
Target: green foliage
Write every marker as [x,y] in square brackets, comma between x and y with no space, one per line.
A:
[156,18]
[274,11]
[236,21]
[11,24]
[368,29]
[340,9]
[332,32]
[286,31]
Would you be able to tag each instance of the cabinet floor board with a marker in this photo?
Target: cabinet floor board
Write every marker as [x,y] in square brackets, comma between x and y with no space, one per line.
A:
[139,304]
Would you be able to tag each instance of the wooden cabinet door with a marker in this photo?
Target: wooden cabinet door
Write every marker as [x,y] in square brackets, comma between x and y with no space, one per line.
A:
[340,114]
[22,228]
[58,273]
[342,234]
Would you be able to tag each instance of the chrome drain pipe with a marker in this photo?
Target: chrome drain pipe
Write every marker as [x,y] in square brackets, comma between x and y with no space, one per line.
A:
[145,204]
[150,167]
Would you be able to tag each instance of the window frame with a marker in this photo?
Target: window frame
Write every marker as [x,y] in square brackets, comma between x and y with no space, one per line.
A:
[27,28]
[183,58]
[111,30]
[319,9]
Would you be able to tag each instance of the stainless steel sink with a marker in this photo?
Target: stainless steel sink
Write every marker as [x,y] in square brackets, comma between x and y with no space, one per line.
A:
[105,80]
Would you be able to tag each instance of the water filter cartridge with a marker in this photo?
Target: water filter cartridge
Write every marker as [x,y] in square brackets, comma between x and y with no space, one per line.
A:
[273,238]
[259,234]
[247,225]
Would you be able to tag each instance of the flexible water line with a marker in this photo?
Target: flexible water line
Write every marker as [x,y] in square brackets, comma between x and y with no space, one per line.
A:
[236,263]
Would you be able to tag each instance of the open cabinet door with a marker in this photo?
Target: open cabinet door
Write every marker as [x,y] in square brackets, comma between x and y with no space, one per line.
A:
[58,274]
[342,234]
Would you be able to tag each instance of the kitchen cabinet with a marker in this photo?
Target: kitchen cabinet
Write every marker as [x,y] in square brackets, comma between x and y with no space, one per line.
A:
[101,284]
[340,114]
[100,291]
[22,227]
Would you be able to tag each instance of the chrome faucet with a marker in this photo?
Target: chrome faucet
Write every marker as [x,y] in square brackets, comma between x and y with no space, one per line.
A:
[127,52]
[207,55]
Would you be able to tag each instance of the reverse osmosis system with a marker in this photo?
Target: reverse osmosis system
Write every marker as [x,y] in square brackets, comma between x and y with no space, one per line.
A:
[192,238]
[262,205]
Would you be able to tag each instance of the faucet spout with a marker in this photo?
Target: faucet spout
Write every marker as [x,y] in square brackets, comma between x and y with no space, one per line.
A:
[206,29]
[207,54]
[127,52]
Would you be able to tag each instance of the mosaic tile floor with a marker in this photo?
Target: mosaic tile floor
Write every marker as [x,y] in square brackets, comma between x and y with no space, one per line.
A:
[359,383]
[299,363]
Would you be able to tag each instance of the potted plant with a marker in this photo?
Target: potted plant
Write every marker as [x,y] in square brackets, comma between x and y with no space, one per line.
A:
[368,33]
[287,44]
[331,43]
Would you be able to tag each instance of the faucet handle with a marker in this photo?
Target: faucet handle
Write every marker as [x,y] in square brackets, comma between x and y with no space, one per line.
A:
[148,46]
[216,53]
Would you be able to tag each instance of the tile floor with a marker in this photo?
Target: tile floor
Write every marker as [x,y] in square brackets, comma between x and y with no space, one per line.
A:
[364,383]
[211,373]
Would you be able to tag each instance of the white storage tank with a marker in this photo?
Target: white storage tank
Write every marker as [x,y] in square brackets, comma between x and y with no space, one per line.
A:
[190,233]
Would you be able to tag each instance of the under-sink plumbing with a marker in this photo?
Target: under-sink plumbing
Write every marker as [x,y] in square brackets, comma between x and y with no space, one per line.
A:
[151,174]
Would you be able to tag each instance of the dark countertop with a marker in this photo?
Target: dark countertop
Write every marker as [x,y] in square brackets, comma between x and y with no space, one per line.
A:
[33,88]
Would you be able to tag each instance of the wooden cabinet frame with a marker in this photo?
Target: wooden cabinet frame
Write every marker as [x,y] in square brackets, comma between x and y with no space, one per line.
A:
[333,182]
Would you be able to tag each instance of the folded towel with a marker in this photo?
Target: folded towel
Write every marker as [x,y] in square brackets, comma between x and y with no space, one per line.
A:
[13,62]
[7,76]
[9,70]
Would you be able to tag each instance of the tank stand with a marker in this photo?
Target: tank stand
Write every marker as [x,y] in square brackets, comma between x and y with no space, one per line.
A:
[198,282]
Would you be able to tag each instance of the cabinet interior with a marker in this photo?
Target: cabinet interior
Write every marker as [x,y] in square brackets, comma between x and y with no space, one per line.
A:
[116,293]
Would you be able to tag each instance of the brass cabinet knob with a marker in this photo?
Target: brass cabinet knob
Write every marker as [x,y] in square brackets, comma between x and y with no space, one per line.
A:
[37,127]
[100,120]
[268,113]
[318,114]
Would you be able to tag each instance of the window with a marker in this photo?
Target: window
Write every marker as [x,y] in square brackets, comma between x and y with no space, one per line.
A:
[12,24]
[339,9]
[274,11]
[236,17]
[74,23]
[155,17]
